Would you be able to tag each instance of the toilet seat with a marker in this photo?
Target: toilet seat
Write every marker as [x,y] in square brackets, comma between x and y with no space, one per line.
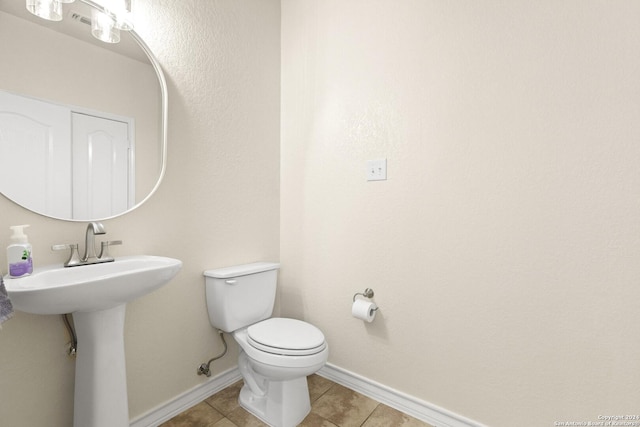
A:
[287,337]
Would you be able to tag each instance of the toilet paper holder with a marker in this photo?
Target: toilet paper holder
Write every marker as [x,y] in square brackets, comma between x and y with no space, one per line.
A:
[368,293]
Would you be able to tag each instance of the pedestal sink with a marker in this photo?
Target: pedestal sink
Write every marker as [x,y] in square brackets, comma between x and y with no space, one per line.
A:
[97,296]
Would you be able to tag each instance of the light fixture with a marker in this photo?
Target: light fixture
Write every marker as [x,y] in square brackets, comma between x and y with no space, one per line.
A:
[120,11]
[50,10]
[108,17]
[116,16]
[103,27]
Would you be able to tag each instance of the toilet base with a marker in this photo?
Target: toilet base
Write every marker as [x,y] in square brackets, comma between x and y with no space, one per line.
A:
[285,404]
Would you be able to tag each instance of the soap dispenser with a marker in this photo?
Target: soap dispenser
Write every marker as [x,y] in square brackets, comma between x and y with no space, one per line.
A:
[19,253]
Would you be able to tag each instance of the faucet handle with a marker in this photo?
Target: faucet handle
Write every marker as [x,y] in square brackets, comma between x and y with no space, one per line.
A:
[104,250]
[74,257]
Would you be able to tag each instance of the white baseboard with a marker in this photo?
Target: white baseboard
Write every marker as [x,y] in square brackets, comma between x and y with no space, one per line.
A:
[424,411]
[186,400]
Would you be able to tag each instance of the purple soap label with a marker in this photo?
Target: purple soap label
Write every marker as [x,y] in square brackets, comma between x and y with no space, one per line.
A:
[21,268]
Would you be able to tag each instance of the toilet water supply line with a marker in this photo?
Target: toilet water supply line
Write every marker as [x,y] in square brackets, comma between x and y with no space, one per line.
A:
[204,368]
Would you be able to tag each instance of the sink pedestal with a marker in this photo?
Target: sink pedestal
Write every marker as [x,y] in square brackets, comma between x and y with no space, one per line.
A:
[101,379]
[96,295]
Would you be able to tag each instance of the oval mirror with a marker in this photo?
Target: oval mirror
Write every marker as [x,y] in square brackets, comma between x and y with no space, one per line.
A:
[82,122]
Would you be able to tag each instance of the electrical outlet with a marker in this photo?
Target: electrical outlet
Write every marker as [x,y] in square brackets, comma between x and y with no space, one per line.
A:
[377,170]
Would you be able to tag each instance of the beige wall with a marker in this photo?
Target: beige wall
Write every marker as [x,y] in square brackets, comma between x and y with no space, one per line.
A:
[217,206]
[503,249]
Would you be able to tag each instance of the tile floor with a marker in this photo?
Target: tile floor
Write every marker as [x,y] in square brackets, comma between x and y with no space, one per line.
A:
[332,405]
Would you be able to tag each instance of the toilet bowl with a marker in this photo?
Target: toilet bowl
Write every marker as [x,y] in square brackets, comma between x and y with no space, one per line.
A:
[275,375]
[276,354]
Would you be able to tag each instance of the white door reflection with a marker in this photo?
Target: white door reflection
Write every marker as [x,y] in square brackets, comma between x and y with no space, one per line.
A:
[79,163]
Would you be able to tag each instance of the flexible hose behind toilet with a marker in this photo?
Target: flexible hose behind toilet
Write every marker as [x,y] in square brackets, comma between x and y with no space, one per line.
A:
[204,369]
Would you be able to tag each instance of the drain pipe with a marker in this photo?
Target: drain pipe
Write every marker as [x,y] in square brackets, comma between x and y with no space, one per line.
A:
[73,345]
[204,368]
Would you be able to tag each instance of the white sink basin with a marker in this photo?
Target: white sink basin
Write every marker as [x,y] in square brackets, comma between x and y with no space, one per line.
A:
[59,290]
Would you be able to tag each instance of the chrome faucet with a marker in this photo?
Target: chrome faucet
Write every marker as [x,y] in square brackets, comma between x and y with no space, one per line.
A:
[93,228]
[89,257]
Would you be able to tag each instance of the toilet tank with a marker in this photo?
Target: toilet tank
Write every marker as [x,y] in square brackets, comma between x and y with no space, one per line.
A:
[241,295]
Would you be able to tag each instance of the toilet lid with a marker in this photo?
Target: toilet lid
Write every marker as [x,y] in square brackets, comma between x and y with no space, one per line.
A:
[289,337]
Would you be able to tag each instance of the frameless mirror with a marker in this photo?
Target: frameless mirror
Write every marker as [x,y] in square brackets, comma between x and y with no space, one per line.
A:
[82,122]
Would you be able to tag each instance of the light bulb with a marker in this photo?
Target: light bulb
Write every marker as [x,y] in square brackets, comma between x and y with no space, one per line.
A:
[103,27]
[47,9]
[124,14]
[121,11]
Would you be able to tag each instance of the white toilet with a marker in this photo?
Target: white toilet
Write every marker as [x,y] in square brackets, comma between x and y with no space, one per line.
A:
[276,354]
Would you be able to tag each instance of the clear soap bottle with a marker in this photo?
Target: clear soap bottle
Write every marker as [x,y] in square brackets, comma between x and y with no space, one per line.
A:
[19,253]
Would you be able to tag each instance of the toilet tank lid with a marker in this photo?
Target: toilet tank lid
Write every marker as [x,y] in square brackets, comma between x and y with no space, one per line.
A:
[241,270]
